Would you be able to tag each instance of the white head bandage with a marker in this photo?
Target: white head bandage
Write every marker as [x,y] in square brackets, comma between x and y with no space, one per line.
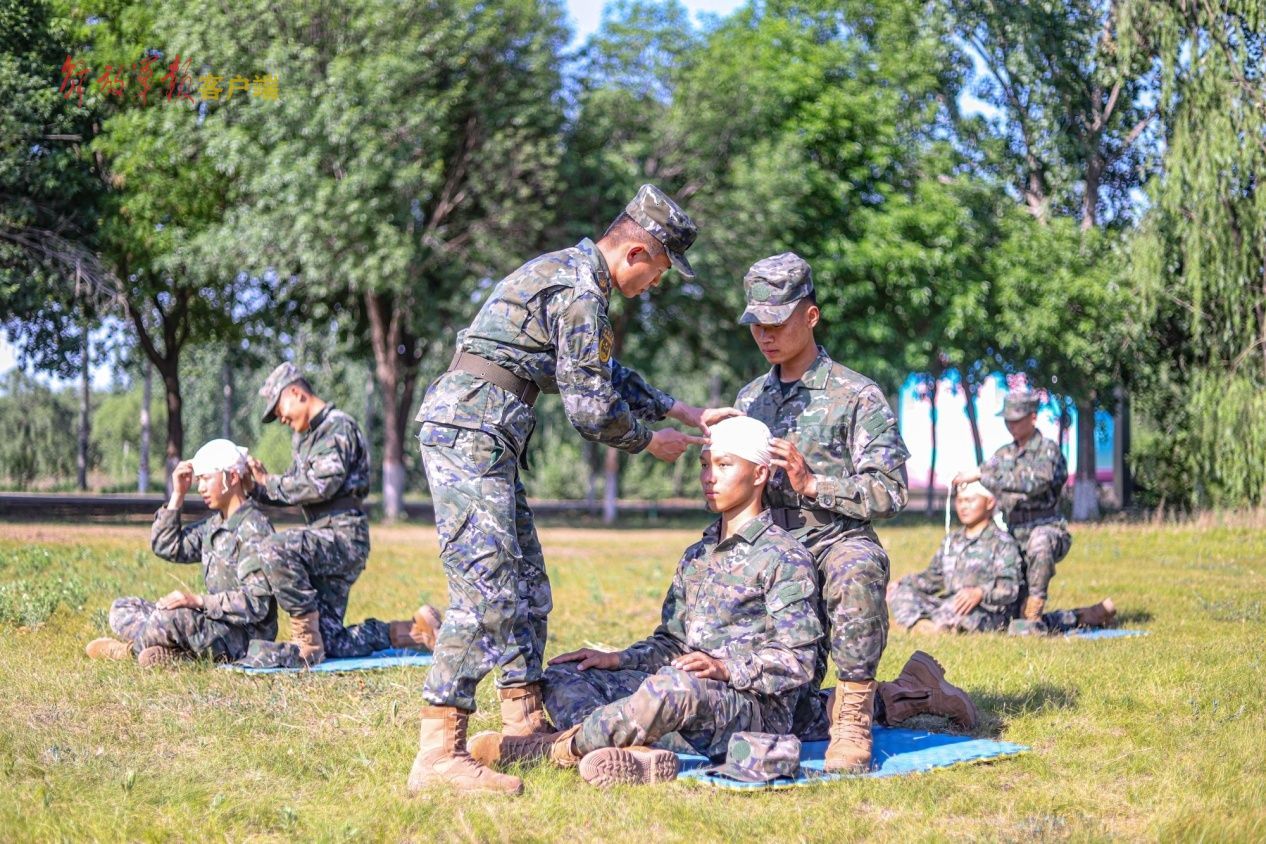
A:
[741,436]
[219,456]
[975,488]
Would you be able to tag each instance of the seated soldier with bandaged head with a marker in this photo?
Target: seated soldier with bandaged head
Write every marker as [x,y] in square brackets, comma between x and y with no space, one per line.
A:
[237,606]
[737,636]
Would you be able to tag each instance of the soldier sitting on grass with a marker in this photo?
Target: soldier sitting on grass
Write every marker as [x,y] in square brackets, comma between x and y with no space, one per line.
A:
[238,605]
[973,583]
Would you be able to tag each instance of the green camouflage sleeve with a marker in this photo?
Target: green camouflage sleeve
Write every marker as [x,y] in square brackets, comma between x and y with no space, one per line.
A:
[931,580]
[669,639]
[249,604]
[1003,475]
[877,487]
[1007,572]
[785,660]
[317,479]
[172,541]
[594,407]
[647,403]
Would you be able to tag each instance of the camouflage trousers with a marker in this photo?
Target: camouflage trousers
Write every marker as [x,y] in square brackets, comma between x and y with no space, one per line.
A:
[144,625]
[909,604]
[313,569]
[498,591]
[1041,546]
[671,709]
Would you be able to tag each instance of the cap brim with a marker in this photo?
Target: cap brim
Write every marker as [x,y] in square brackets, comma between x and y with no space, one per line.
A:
[1016,416]
[271,414]
[734,772]
[680,264]
[768,314]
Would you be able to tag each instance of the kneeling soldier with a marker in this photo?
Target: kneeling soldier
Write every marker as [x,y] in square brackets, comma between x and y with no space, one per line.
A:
[737,638]
[238,605]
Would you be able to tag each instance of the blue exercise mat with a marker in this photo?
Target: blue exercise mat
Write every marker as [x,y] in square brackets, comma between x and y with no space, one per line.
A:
[1106,633]
[896,752]
[390,658]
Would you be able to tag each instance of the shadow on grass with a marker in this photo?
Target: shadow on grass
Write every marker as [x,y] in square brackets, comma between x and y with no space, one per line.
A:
[1129,618]
[996,710]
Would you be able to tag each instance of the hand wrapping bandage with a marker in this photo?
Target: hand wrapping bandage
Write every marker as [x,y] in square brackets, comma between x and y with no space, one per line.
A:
[975,488]
[741,436]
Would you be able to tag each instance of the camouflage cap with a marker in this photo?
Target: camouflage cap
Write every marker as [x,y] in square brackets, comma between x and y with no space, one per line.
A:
[654,211]
[773,286]
[759,757]
[279,379]
[264,655]
[1019,404]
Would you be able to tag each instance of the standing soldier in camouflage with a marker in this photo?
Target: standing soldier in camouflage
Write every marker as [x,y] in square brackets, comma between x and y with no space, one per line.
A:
[736,641]
[1026,477]
[238,605]
[973,581]
[543,328]
[842,464]
[312,569]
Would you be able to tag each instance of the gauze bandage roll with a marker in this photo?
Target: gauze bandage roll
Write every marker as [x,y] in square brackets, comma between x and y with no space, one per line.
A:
[974,488]
[741,436]
[219,456]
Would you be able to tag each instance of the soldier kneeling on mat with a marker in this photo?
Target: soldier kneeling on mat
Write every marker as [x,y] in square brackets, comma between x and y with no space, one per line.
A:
[238,605]
[973,583]
[737,638]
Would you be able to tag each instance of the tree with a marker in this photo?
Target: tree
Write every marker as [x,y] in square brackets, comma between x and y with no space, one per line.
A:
[410,153]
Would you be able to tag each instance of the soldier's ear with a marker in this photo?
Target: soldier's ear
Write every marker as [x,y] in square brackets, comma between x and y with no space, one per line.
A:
[761,477]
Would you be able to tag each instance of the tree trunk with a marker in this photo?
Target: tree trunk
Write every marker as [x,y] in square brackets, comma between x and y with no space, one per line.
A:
[1086,486]
[1121,479]
[367,425]
[611,490]
[175,421]
[931,502]
[396,371]
[589,453]
[973,417]
[147,388]
[85,411]
[226,409]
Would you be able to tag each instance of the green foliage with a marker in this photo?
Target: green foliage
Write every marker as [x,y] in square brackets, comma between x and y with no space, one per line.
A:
[35,421]
[36,582]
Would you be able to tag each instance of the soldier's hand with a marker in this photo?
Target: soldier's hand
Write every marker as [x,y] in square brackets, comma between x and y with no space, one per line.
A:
[787,457]
[713,415]
[182,477]
[179,600]
[589,658]
[668,444]
[703,666]
[258,473]
[966,476]
[967,599]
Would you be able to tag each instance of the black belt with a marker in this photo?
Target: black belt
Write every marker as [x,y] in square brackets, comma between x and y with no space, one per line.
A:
[521,388]
[312,512]
[794,518]
[1017,519]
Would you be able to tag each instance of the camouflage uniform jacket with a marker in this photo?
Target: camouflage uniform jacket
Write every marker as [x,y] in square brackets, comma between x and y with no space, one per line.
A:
[842,424]
[331,461]
[749,601]
[990,560]
[547,322]
[1026,479]
[229,550]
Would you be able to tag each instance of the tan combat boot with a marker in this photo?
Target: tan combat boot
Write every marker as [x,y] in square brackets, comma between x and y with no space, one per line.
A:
[418,634]
[523,711]
[852,711]
[305,633]
[921,689]
[608,766]
[501,749]
[1033,608]
[1102,614]
[442,759]
[156,655]
[107,648]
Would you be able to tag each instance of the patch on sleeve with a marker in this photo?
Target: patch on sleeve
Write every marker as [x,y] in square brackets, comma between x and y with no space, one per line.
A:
[605,343]
[876,422]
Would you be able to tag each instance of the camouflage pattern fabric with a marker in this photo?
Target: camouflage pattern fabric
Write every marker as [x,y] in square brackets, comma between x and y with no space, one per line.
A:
[664,220]
[238,605]
[842,424]
[989,560]
[313,568]
[751,602]
[773,287]
[1042,546]
[546,322]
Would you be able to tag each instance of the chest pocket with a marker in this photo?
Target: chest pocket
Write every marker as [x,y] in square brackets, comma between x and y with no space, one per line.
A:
[823,445]
[737,595]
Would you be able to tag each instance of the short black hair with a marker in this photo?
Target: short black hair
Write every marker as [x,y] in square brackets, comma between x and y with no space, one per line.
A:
[624,229]
[302,384]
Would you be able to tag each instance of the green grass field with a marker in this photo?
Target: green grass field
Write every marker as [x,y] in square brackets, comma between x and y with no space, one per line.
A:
[1152,738]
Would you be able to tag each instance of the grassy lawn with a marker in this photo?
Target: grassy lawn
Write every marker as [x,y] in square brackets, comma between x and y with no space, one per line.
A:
[1160,737]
